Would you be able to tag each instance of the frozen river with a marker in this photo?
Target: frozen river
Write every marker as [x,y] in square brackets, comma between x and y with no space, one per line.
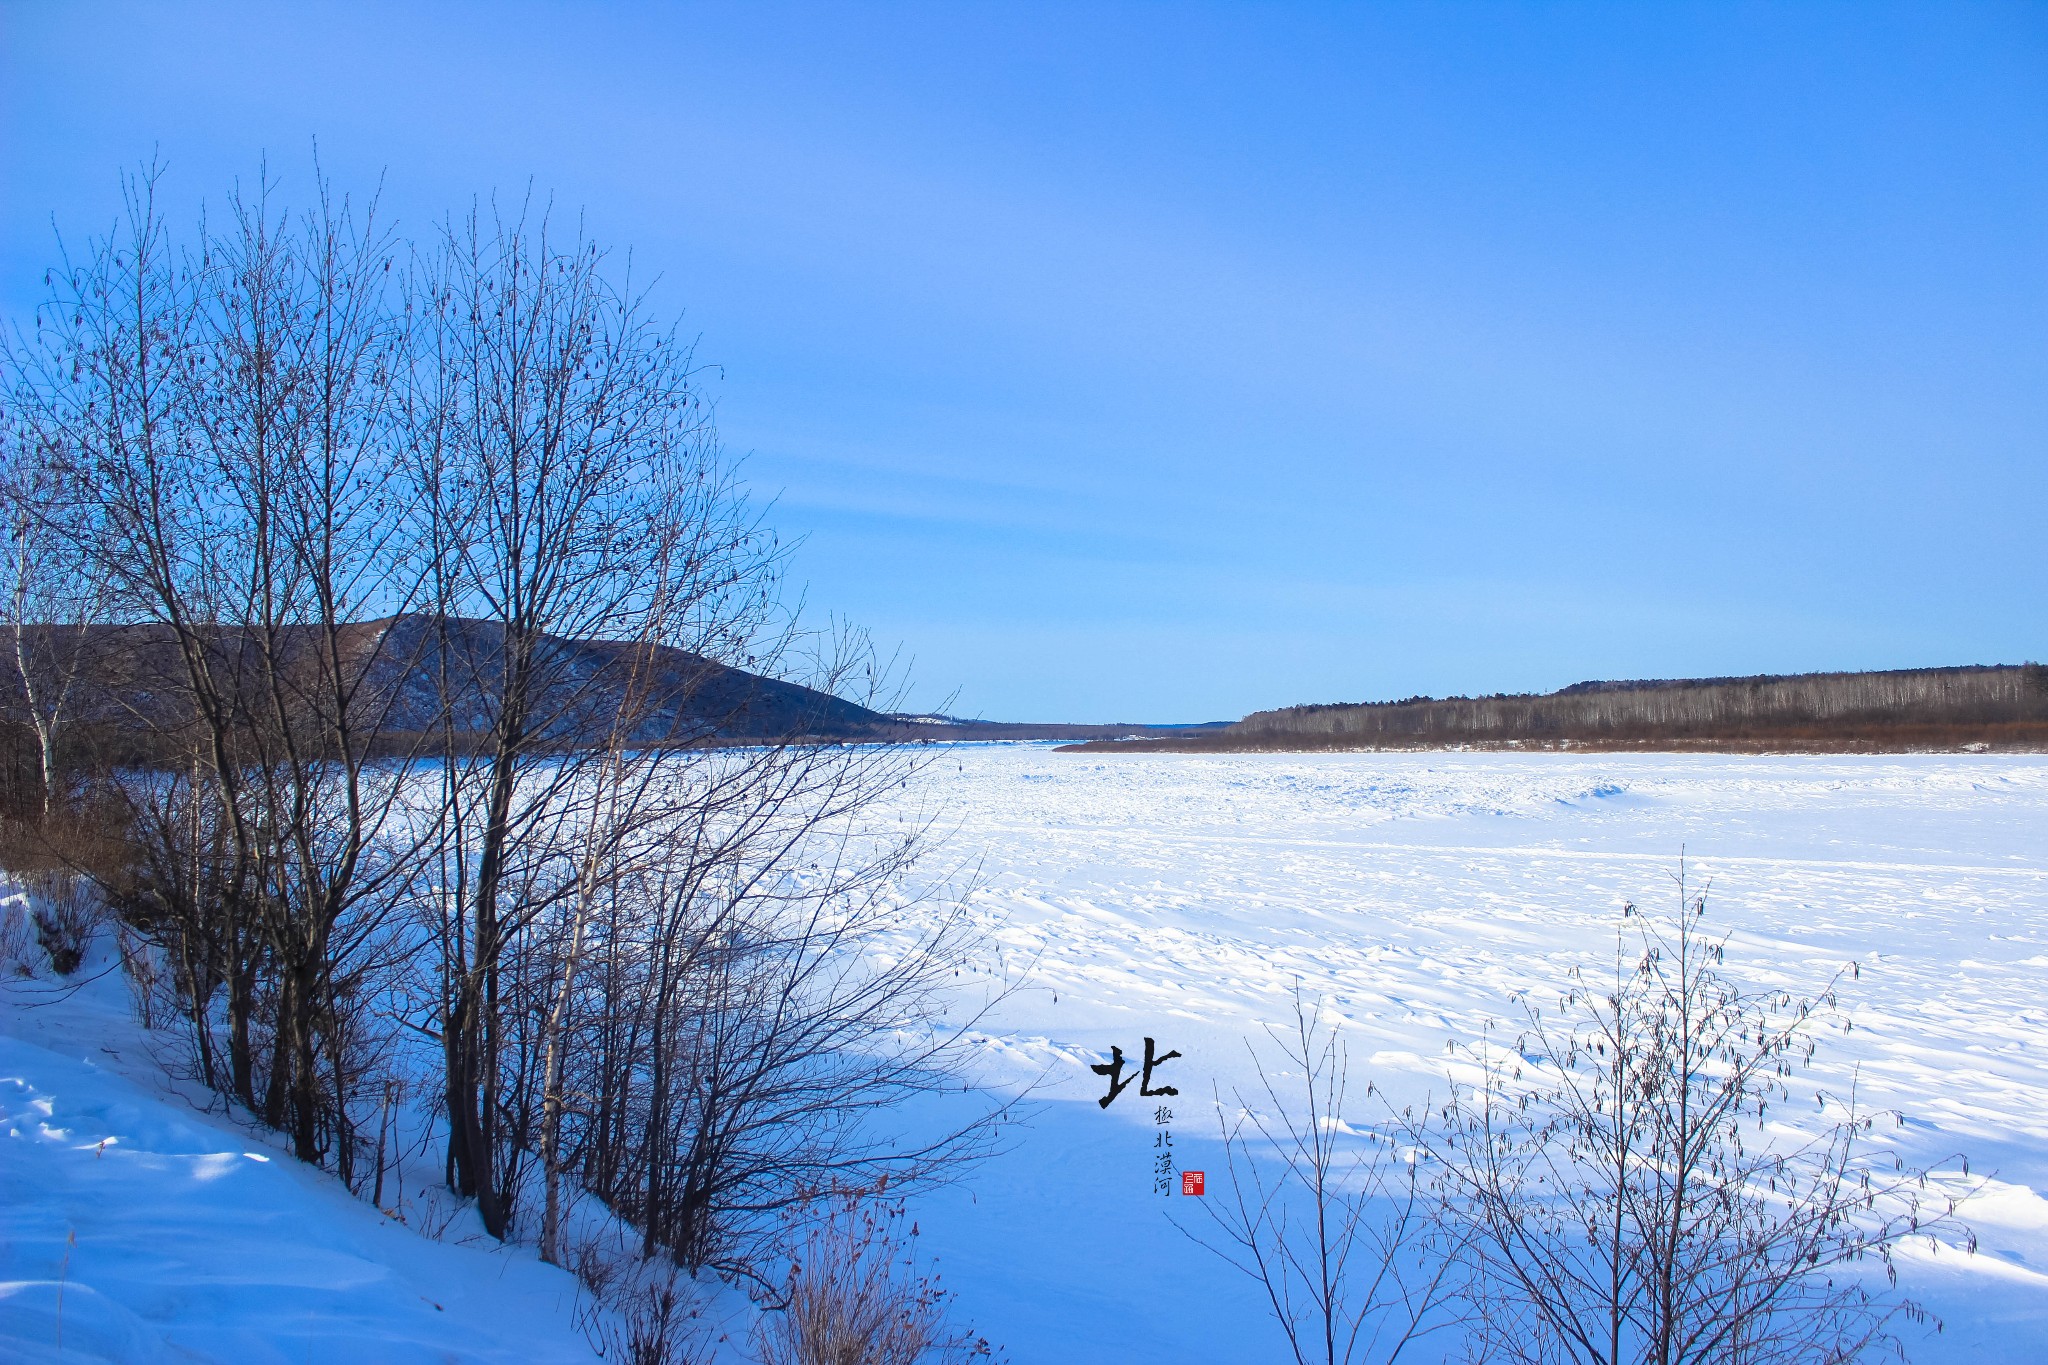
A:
[1181,897]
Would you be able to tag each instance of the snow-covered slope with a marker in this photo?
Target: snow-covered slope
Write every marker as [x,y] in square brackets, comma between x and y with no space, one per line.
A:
[133,1228]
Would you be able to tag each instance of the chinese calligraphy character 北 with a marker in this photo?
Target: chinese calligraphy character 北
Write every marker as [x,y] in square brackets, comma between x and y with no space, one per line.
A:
[1114,1070]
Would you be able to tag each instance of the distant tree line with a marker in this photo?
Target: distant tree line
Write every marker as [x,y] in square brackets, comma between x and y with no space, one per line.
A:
[1929,707]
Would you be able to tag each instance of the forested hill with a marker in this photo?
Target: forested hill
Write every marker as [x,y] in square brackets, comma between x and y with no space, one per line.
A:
[1939,708]
[127,693]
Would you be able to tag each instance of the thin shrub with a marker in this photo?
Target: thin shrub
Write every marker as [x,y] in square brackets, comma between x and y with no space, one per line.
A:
[1632,1193]
[857,1295]
[19,955]
[1328,1218]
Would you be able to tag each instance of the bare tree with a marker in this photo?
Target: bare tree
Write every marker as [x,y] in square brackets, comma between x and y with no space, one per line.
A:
[575,492]
[48,600]
[1330,1219]
[804,993]
[101,384]
[300,354]
[763,974]
[616,828]
[1626,1197]
[225,415]
[172,891]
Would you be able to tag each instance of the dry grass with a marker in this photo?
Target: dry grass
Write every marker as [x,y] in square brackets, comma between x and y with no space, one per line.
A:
[856,1295]
[63,863]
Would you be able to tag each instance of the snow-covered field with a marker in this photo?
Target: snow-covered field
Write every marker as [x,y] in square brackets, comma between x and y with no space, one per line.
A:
[1181,896]
[1177,897]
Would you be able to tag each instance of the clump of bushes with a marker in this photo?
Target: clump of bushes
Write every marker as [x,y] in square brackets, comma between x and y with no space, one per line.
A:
[65,911]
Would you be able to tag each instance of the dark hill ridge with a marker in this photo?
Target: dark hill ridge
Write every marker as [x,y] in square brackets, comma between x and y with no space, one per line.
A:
[684,698]
[132,681]
[1997,706]
[132,690]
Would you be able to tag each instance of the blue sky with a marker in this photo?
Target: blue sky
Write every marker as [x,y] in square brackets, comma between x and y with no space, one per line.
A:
[1165,362]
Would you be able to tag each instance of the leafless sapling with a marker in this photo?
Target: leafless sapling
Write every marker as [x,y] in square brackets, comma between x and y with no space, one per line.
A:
[1630,1198]
[1330,1219]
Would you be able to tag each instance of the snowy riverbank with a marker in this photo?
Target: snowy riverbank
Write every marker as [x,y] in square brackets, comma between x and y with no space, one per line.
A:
[1180,898]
